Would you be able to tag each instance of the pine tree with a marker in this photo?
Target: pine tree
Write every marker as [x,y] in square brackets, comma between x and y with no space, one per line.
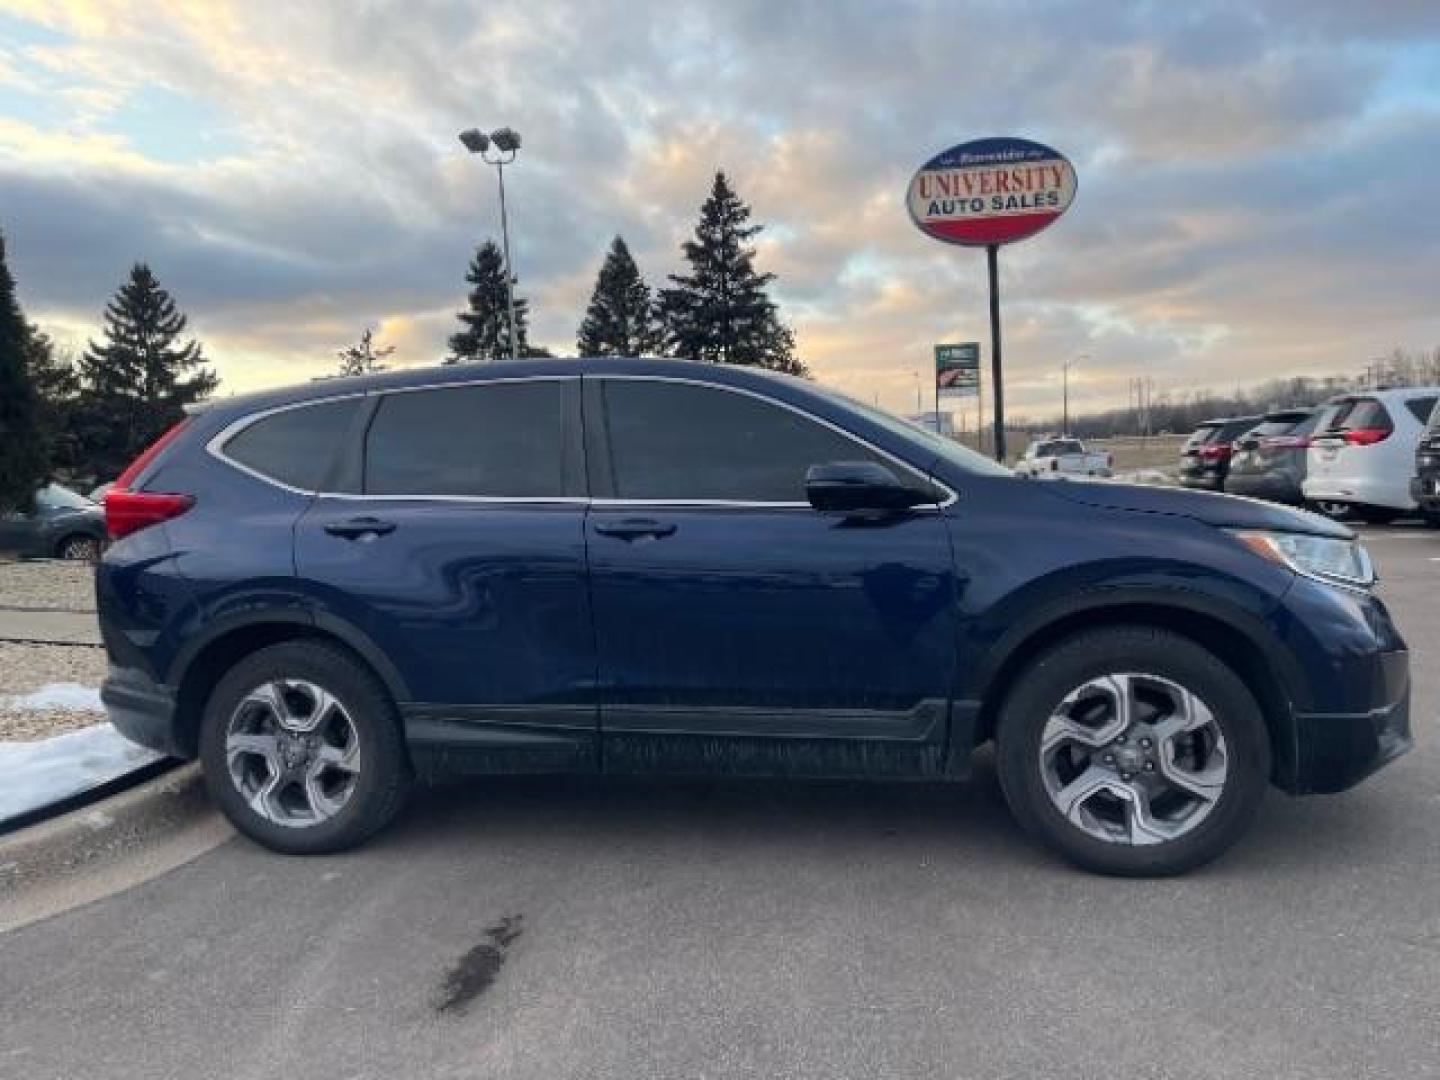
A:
[22,455]
[364,358]
[720,312]
[487,317]
[622,319]
[56,389]
[138,383]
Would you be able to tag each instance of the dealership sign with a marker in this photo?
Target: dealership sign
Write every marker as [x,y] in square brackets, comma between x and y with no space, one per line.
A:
[991,191]
[957,370]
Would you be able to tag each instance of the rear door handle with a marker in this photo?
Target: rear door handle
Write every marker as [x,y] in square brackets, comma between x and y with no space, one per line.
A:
[355,528]
[634,528]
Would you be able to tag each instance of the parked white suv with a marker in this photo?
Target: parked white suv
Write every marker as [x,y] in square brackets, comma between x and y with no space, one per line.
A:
[1363,452]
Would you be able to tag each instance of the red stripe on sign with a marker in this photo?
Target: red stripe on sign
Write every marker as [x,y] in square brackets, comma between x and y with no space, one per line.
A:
[995,230]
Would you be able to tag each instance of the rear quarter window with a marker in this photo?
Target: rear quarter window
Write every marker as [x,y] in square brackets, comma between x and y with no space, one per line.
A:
[297,446]
[1200,436]
[1422,408]
[1362,413]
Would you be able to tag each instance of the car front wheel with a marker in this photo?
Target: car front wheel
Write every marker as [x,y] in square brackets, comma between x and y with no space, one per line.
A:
[1133,751]
[302,749]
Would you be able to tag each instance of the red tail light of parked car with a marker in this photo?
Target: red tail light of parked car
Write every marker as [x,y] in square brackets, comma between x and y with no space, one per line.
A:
[1366,436]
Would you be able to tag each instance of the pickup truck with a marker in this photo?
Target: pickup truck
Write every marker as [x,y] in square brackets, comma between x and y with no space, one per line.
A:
[1062,457]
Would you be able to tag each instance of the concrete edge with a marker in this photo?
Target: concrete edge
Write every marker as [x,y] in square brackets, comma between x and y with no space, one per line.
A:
[106,846]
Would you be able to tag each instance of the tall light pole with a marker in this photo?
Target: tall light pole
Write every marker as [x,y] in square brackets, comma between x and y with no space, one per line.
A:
[506,143]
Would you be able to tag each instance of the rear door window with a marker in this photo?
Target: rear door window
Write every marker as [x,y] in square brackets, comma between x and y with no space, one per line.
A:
[295,447]
[503,440]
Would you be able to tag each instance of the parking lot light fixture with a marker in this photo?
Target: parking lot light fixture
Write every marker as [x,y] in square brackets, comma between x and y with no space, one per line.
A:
[505,144]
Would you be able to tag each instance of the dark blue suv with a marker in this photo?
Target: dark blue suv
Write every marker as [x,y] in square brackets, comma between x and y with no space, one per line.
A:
[627,566]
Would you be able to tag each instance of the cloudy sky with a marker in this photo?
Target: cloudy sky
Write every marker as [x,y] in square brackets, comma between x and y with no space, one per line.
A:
[1256,191]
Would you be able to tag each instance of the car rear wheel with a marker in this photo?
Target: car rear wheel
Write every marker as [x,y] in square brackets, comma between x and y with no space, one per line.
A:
[302,749]
[78,548]
[1133,751]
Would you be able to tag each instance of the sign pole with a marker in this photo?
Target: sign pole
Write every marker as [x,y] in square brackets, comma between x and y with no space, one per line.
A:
[992,257]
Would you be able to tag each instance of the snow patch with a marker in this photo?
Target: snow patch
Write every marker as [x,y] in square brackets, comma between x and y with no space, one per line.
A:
[34,775]
[61,695]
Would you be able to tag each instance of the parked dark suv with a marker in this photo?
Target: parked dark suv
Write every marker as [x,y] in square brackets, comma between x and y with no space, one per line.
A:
[1205,457]
[1269,459]
[1425,487]
[653,566]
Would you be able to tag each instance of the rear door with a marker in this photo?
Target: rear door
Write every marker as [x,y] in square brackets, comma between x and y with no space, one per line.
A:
[739,629]
[455,544]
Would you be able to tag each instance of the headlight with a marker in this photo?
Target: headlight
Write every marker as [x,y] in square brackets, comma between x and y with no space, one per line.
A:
[1343,562]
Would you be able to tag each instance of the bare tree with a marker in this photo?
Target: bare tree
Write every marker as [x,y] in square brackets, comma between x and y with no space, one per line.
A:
[364,358]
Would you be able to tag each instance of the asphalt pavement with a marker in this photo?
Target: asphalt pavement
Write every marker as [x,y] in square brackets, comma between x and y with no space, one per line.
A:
[567,928]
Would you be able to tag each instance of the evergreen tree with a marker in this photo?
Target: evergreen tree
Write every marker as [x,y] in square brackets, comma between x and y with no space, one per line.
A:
[720,312]
[22,455]
[364,358]
[138,383]
[487,317]
[57,387]
[622,319]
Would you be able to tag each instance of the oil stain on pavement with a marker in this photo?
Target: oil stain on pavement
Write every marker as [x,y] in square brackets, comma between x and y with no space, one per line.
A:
[474,972]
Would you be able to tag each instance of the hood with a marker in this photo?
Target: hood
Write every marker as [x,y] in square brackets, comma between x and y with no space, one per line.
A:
[1226,511]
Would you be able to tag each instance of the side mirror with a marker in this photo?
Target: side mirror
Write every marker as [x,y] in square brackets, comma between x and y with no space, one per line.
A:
[850,486]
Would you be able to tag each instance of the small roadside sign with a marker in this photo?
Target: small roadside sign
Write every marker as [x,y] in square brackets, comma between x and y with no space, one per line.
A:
[957,370]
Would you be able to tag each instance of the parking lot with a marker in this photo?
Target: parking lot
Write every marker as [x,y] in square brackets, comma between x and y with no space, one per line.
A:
[545,928]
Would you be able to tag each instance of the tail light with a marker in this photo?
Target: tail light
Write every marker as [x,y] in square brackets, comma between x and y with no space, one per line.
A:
[1366,436]
[1218,452]
[129,511]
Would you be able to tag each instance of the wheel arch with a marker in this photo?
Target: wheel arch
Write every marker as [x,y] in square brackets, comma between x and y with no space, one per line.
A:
[197,670]
[1236,638]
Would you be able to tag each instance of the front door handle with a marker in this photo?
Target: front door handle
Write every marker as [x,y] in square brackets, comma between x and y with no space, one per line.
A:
[355,528]
[634,528]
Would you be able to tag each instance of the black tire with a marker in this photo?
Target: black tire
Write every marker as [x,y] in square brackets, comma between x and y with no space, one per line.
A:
[384,778]
[1039,691]
[1376,515]
[78,547]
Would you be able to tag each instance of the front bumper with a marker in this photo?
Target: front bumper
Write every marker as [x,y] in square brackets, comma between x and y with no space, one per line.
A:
[1350,704]
[142,710]
[1337,751]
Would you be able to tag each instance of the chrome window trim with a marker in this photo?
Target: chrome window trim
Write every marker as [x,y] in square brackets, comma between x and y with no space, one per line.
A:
[215,448]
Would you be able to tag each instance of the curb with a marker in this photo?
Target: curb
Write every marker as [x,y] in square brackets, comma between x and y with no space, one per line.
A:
[106,846]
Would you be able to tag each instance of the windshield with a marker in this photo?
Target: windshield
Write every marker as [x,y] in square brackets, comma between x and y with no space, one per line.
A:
[947,449]
[55,497]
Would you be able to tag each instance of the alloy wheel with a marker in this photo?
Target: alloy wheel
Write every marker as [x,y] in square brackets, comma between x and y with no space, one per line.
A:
[293,752]
[1133,759]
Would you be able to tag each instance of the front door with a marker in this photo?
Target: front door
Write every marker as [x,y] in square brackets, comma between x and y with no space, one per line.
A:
[737,628]
[458,549]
